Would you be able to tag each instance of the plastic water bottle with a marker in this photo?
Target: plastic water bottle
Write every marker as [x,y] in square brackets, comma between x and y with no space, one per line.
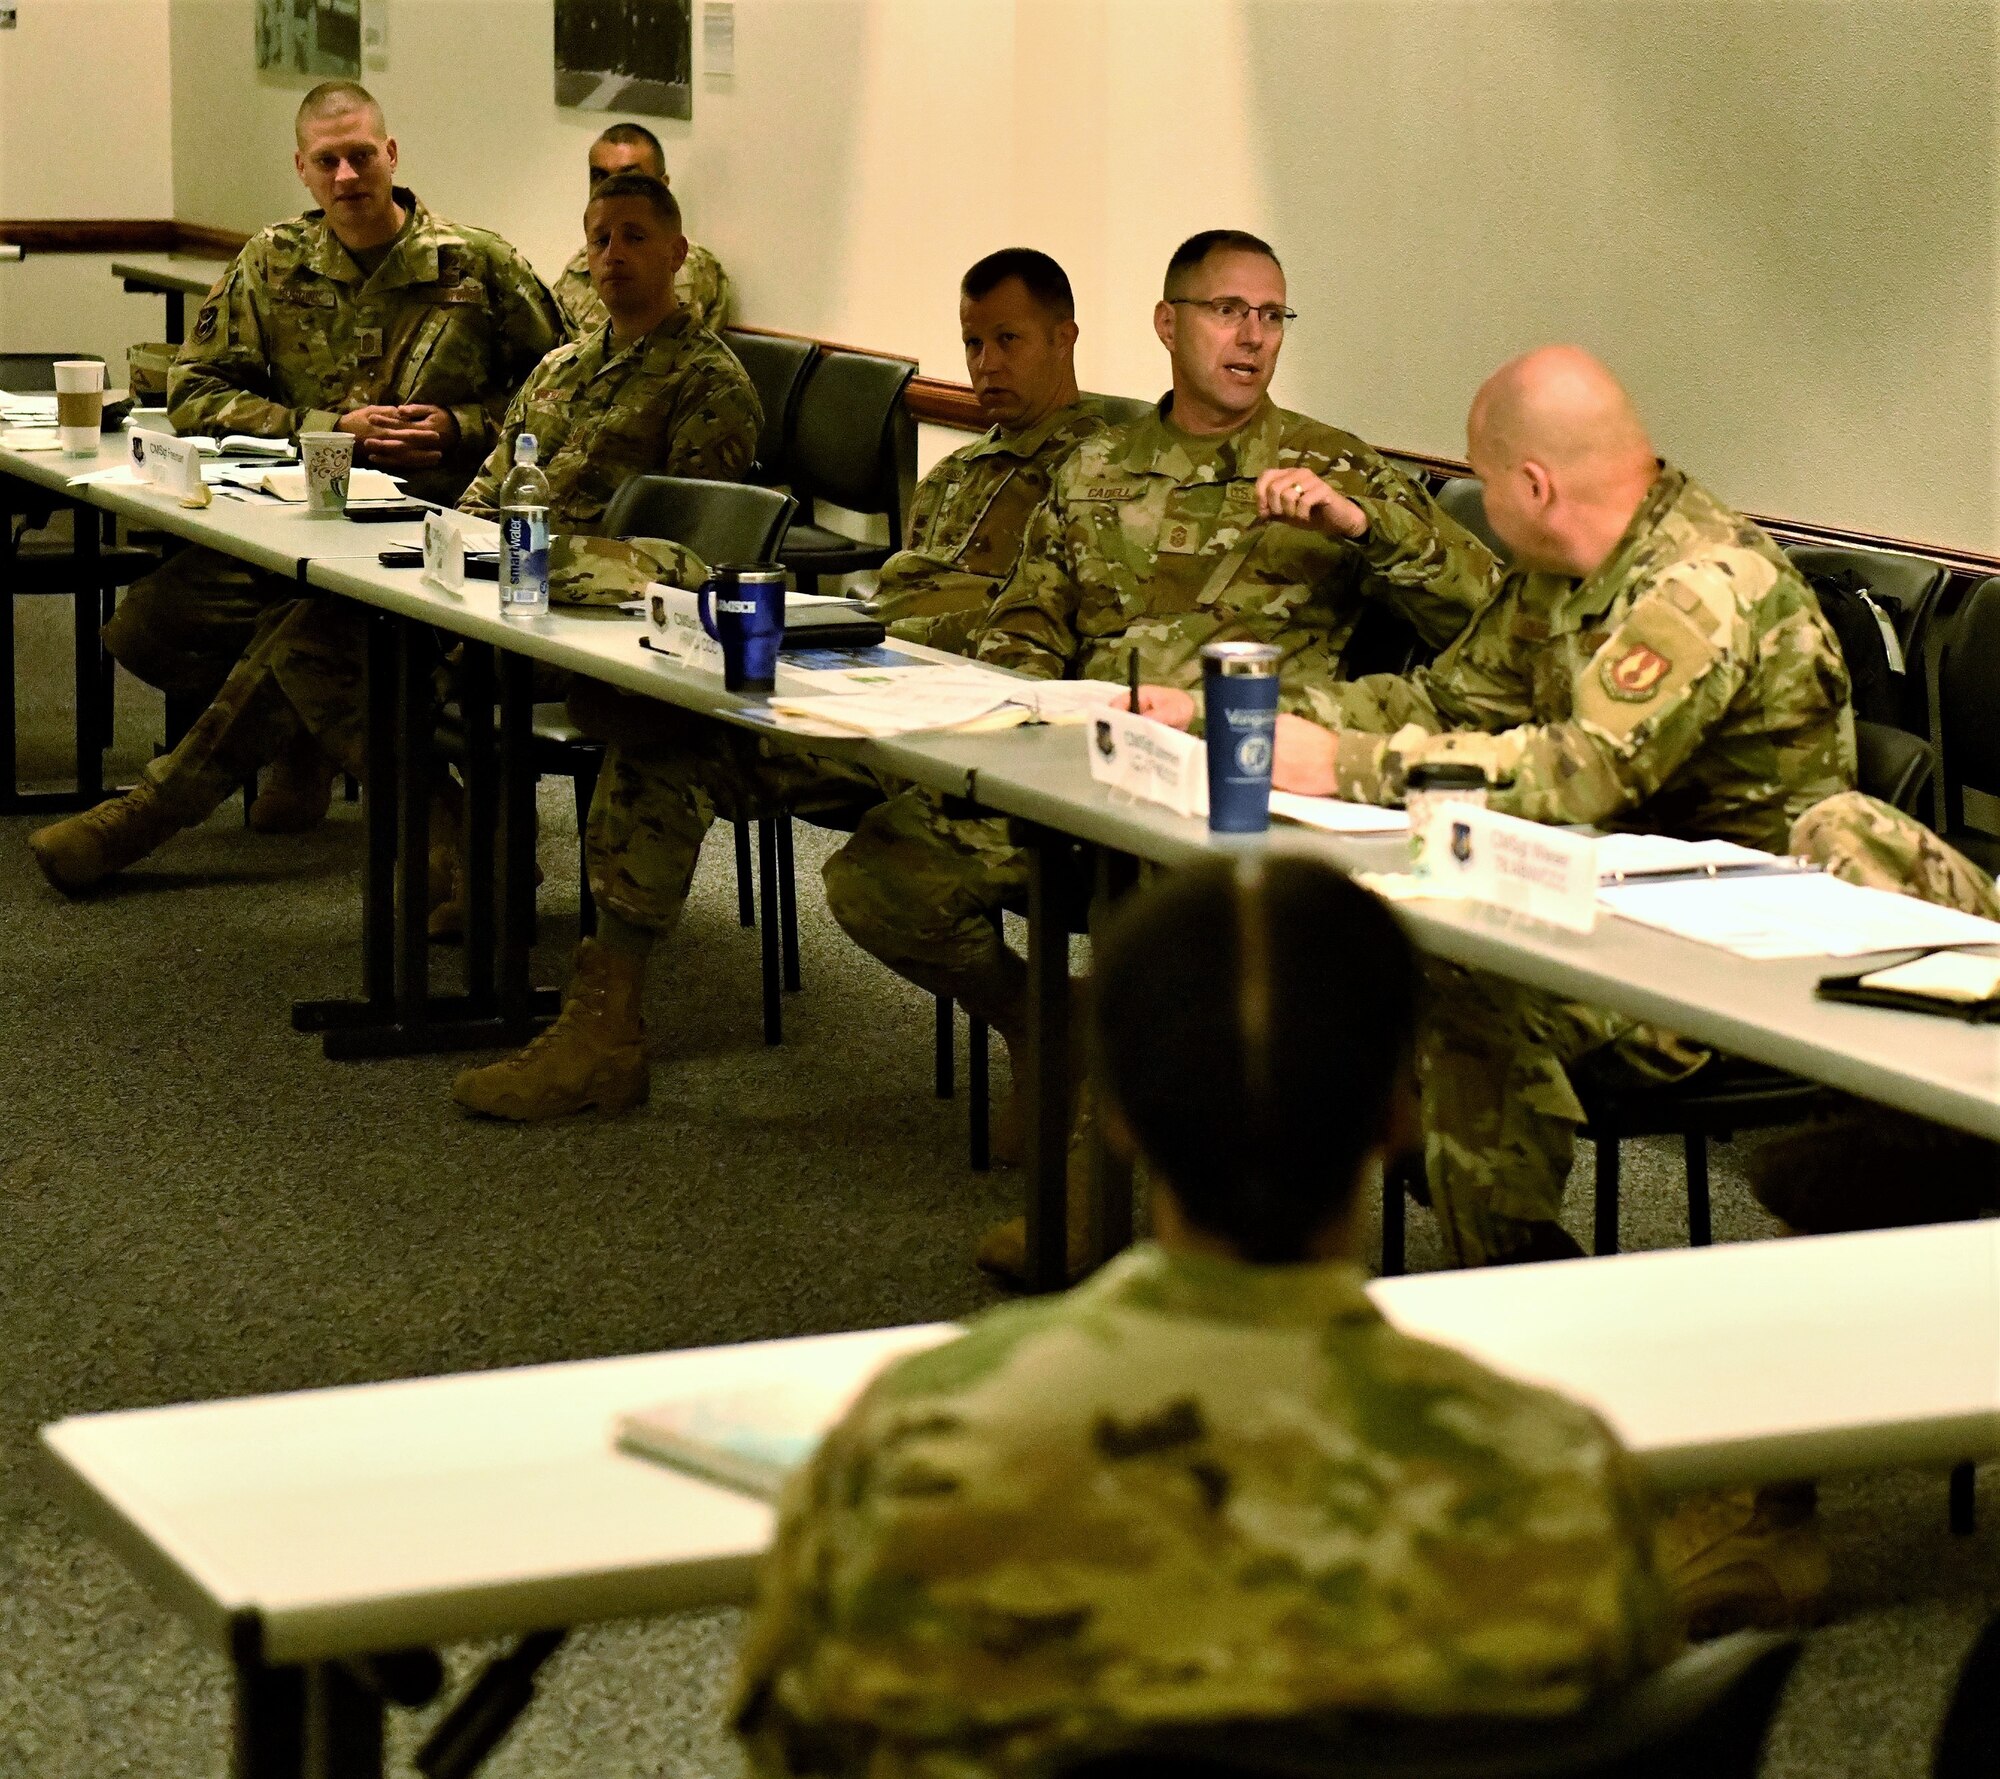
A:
[524,535]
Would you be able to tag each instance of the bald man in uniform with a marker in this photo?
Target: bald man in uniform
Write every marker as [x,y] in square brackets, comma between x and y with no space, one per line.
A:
[1651,661]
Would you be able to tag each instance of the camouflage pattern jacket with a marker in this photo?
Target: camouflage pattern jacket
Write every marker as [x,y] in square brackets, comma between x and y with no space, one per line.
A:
[1150,540]
[294,335]
[673,404]
[701,287]
[1689,686]
[1192,1490]
[966,526]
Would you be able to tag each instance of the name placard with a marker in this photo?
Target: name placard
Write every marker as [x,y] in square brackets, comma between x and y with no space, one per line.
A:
[1544,873]
[162,461]
[444,552]
[677,631]
[1148,760]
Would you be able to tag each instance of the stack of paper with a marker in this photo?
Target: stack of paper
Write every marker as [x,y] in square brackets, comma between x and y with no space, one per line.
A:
[1332,816]
[937,700]
[1793,914]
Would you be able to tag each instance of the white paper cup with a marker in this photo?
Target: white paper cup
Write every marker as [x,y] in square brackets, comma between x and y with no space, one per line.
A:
[326,458]
[79,405]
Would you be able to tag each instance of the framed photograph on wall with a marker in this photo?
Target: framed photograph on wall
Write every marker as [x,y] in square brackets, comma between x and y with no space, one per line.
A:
[317,37]
[626,55]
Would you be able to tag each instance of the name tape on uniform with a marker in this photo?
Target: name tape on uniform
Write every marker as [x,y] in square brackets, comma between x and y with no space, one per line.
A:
[1544,873]
[1148,760]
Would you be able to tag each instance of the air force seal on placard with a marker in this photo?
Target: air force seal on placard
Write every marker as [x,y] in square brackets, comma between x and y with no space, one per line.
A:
[1636,673]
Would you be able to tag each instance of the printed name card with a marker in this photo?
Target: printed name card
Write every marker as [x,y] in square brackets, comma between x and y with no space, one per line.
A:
[1544,873]
[169,464]
[677,631]
[1148,760]
[444,552]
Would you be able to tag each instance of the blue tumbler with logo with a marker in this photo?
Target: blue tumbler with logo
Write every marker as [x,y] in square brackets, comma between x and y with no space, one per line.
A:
[749,622]
[1240,691]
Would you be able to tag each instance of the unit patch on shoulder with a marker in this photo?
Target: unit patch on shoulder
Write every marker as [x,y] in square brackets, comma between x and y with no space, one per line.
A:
[1636,674]
[204,327]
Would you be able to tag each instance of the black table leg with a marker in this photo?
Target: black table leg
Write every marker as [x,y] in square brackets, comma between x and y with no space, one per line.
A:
[343,1725]
[269,1732]
[768,925]
[1964,1495]
[1110,1173]
[788,901]
[1048,1074]
[396,1014]
[482,813]
[88,526]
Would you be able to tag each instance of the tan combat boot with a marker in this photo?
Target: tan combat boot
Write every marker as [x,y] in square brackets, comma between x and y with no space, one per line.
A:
[593,1056]
[1740,1558]
[295,793]
[79,852]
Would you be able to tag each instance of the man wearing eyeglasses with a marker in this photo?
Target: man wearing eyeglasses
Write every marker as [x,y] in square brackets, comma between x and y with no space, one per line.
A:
[1204,520]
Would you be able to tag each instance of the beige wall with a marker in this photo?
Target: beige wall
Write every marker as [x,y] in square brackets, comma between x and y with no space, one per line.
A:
[85,127]
[1775,216]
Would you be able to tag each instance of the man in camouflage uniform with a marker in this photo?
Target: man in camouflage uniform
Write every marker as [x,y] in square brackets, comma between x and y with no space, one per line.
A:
[1156,538]
[648,392]
[701,286]
[1212,1487]
[370,316]
[668,774]
[1652,662]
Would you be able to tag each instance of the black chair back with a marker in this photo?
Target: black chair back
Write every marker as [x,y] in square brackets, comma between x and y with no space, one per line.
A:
[34,373]
[1122,410]
[1968,710]
[718,521]
[855,443]
[1707,1713]
[778,367]
[1906,588]
[1894,764]
[1460,498]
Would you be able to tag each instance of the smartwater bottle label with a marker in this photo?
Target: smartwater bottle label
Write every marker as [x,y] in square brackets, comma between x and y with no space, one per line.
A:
[525,545]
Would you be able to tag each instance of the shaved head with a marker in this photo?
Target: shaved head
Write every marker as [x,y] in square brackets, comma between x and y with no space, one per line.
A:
[1562,455]
[334,98]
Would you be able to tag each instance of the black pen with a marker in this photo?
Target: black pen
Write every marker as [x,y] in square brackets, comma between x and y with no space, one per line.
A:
[1132,678]
[1695,873]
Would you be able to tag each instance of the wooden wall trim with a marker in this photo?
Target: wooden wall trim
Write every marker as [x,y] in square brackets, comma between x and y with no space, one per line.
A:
[122,235]
[933,401]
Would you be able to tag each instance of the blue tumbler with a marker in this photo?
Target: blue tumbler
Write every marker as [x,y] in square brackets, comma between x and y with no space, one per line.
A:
[749,622]
[1240,692]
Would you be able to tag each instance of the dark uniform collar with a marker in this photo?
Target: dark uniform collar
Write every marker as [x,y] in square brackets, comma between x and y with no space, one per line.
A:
[1155,446]
[664,341]
[1591,597]
[1201,1287]
[1028,442]
[412,256]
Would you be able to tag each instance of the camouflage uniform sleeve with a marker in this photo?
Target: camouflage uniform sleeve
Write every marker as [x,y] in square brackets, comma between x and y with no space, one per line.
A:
[1643,704]
[482,497]
[221,381]
[715,434]
[1031,625]
[707,292]
[774,1706]
[528,325]
[1434,571]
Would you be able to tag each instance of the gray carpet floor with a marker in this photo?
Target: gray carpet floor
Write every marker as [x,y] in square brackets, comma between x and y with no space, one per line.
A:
[197,1205]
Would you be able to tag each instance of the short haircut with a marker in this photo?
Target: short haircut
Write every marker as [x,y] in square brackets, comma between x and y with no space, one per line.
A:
[1252,1018]
[330,98]
[1190,255]
[629,182]
[631,133]
[1046,281]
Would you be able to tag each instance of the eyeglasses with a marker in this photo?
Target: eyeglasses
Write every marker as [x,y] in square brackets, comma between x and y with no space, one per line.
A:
[1231,311]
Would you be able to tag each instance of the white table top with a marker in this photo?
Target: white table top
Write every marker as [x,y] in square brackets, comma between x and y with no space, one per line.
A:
[390,1514]
[276,538]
